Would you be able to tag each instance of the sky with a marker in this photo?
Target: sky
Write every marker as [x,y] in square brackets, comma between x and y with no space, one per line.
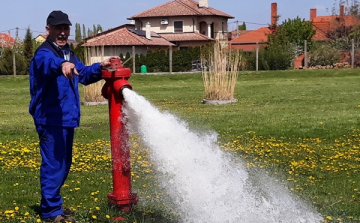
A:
[23,14]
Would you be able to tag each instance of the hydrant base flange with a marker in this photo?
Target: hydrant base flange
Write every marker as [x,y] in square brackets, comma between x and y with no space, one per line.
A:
[122,200]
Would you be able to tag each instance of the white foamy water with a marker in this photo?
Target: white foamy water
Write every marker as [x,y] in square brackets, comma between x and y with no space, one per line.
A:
[202,180]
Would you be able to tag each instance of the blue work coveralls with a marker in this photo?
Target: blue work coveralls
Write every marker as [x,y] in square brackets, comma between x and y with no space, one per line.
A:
[55,108]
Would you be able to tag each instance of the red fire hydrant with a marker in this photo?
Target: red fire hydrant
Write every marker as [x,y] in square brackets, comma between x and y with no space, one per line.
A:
[116,77]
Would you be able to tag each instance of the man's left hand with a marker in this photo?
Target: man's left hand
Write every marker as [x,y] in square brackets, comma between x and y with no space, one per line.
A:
[106,63]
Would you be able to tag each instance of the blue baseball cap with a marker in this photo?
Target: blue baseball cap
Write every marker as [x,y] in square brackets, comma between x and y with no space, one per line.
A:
[57,17]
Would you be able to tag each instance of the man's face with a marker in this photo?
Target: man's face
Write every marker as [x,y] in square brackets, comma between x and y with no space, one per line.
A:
[59,33]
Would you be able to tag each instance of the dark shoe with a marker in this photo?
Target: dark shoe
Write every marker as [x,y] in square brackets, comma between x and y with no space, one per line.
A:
[59,218]
[68,212]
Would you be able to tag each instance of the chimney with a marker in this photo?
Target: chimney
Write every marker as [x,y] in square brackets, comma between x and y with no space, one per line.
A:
[147,30]
[274,15]
[203,3]
[342,11]
[312,14]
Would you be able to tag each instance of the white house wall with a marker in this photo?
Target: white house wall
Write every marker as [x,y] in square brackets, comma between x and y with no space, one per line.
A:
[156,26]
[117,50]
[99,53]
[190,24]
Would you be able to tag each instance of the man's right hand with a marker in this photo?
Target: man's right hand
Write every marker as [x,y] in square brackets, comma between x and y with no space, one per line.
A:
[68,69]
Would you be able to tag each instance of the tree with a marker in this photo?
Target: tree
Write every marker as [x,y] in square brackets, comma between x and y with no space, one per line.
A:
[342,35]
[90,32]
[28,49]
[351,7]
[80,51]
[78,36]
[293,31]
[94,29]
[242,27]
[99,29]
[6,62]
[84,31]
[284,43]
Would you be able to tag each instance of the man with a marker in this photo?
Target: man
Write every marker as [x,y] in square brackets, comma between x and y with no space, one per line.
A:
[55,107]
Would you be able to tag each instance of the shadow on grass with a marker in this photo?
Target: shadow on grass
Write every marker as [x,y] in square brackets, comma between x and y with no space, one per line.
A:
[146,216]
[36,209]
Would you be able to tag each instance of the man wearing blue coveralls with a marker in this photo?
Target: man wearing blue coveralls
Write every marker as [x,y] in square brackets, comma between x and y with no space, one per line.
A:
[55,107]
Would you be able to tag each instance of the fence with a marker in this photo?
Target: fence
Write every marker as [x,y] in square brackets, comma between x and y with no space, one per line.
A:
[310,55]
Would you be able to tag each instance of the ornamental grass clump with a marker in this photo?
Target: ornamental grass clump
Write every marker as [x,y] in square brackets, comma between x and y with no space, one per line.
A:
[92,92]
[220,71]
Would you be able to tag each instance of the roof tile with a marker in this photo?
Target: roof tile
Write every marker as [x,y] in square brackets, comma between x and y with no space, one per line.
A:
[324,24]
[258,35]
[185,37]
[180,8]
[122,36]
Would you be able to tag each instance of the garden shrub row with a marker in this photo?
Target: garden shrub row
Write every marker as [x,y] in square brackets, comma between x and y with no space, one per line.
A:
[158,60]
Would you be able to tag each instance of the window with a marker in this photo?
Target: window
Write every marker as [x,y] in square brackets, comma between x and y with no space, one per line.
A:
[178,26]
[183,47]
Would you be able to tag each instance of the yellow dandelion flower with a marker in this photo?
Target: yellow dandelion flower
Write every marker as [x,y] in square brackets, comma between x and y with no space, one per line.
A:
[94,216]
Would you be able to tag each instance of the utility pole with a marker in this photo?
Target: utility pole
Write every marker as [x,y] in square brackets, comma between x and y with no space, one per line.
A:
[352,53]
[14,49]
[237,28]
[306,62]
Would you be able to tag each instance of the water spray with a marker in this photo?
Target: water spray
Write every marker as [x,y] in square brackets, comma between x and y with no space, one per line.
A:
[194,164]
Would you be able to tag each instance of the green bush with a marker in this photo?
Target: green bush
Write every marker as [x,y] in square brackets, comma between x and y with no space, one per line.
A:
[323,54]
[6,62]
[272,57]
[158,60]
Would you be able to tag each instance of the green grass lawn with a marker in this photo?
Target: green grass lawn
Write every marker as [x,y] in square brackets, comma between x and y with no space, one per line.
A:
[301,126]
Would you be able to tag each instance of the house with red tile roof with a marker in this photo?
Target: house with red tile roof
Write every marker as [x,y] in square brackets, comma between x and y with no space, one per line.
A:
[322,25]
[248,41]
[6,40]
[325,24]
[185,22]
[121,39]
[177,23]
[236,33]
[42,37]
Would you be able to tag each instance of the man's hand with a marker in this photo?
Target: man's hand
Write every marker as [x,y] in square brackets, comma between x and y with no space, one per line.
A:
[106,63]
[68,69]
